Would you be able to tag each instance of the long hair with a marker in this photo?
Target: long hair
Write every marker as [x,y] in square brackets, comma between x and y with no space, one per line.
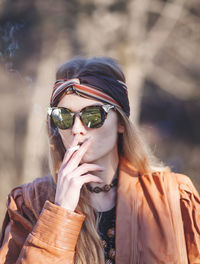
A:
[89,248]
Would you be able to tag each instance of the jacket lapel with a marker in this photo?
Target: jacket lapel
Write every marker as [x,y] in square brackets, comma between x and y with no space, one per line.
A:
[148,218]
[126,215]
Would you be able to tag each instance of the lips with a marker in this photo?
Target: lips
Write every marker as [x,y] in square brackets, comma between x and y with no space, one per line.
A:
[75,147]
[81,142]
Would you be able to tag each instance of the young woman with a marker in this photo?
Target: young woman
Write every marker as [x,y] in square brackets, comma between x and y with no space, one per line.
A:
[106,202]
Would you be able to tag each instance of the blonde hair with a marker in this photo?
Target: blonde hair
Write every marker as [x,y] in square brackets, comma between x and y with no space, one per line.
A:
[89,247]
[134,148]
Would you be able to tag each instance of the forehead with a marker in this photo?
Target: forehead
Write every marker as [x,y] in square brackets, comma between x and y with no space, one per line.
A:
[76,103]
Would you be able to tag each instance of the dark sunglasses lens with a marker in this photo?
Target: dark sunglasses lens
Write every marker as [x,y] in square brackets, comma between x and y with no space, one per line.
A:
[62,118]
[93,116]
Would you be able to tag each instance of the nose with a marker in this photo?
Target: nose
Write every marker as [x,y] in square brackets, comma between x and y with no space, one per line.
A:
[78,127]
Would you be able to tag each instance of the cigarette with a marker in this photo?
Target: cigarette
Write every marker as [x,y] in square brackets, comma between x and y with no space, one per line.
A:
[74,148]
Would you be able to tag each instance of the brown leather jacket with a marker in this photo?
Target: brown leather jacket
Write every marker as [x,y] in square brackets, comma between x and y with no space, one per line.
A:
[157,221]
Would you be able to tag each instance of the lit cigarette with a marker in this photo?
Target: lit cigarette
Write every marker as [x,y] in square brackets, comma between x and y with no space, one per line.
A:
[74,148]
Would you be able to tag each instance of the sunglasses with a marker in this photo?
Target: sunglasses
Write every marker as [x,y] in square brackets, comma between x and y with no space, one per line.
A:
[91,116]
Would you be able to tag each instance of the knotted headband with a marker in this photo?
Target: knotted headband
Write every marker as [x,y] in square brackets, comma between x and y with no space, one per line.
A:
[96,86]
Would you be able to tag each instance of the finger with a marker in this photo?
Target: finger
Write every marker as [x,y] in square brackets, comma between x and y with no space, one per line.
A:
[79,171]
[68,153]
[89,178]
[78,155]
[86,167]
[71,161]
[74,141]
[79,181]
[72,147]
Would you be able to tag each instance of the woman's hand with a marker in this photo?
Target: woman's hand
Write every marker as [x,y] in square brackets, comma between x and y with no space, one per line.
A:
[72,176]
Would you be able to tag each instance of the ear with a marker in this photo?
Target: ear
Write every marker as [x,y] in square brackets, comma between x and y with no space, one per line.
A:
[120,128]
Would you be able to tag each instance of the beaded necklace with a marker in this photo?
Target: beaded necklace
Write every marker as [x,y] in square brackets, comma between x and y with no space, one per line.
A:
[106,187]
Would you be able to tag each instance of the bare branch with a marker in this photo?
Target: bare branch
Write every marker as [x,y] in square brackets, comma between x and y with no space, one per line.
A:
[179,88]
[163,27]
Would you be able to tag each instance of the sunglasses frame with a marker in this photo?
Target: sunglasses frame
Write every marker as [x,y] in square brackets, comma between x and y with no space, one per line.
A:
[106,108]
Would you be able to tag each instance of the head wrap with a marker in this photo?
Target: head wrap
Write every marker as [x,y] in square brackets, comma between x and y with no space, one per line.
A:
[96,86]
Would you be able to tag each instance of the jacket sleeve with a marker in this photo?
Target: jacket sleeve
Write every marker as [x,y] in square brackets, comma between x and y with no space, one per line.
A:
[52,239]
[190,208]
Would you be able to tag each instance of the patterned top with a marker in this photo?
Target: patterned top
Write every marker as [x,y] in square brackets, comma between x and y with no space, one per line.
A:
[106,230]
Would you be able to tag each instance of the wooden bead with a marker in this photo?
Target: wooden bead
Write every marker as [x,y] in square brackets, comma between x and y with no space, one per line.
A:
[111,232]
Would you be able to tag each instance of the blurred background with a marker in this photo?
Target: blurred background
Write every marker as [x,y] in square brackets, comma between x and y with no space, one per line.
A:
[157,42]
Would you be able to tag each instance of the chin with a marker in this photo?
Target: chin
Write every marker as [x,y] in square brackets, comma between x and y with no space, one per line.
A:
[88,158]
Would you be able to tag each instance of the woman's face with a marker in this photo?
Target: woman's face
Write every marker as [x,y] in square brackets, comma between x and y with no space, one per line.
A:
[104,138]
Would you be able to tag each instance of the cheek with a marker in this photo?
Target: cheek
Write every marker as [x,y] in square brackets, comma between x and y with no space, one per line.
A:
[105,139]
[65,137]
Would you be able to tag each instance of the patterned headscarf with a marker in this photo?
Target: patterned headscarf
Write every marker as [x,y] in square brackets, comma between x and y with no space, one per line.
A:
[97,86]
